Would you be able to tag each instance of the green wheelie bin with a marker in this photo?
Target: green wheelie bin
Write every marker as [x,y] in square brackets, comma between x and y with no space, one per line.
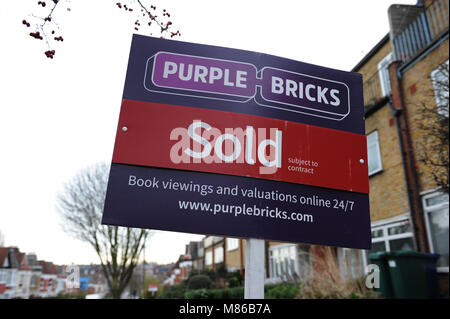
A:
[380,259]
[413,274]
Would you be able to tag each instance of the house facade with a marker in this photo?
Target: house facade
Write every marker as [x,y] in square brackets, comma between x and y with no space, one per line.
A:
[409,207]
[180,271]
[214,252]
[234,250]
[9,268]
[36,272]
[23,276]
[49,279]
[23,279]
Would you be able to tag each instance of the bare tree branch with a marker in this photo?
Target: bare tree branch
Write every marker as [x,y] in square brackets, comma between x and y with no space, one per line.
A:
[45,26]
[432,120]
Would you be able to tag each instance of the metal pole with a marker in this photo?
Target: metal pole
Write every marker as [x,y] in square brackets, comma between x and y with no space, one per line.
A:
[254,269]
[143,273]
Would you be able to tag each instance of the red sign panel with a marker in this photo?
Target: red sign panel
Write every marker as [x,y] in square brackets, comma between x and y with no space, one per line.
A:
[179,137]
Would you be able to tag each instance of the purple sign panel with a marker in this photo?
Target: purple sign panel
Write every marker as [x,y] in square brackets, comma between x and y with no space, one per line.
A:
[236,81]
[196,75]
[304,93]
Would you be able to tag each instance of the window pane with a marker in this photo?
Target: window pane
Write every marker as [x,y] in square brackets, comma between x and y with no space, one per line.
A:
[277,268]
[377,233]
[439,234]
[373,153]
[272,268]
[372,138]
[386,82]
[436,200]
[304,262]
[402,244]
[376,247]
[355,263]
[284,260]
[440,82]
[208,258]
[384,74]
[381,246]
[373,158]
[232,243]
[292,252]
[399,229]
[218,255]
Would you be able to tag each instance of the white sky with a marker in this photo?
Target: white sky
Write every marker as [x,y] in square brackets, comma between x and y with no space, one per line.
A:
[58,116]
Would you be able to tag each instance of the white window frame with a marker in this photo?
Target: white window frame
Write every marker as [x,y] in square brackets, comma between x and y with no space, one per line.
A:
[342,262]
[383,73]
[278,248]
[372,139]
[427,211]
[218,255]
[386,238]
[232,244]
[437,94]
[304,274]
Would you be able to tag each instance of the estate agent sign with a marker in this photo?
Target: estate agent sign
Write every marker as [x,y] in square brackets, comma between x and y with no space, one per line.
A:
[221,141]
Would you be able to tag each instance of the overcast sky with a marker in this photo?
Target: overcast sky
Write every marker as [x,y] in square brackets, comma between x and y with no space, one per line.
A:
[58,116]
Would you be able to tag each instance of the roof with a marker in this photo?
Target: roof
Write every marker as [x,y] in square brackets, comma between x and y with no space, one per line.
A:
[22,261]
[3,254]
[11,254]
[20,257]
[48,267]
[371,53]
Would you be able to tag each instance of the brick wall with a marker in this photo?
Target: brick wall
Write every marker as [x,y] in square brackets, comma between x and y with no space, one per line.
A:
[418,89]
[233,258]
[388,193]
[387,189]
[371,79]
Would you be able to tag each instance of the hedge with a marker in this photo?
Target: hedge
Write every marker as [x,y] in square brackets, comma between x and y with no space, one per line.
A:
[226,293]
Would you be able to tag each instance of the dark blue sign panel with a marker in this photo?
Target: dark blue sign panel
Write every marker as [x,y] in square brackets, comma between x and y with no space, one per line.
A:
[216,204]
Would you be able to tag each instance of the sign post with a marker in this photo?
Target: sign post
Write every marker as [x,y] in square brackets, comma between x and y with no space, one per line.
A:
[220,141]
[254,269]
